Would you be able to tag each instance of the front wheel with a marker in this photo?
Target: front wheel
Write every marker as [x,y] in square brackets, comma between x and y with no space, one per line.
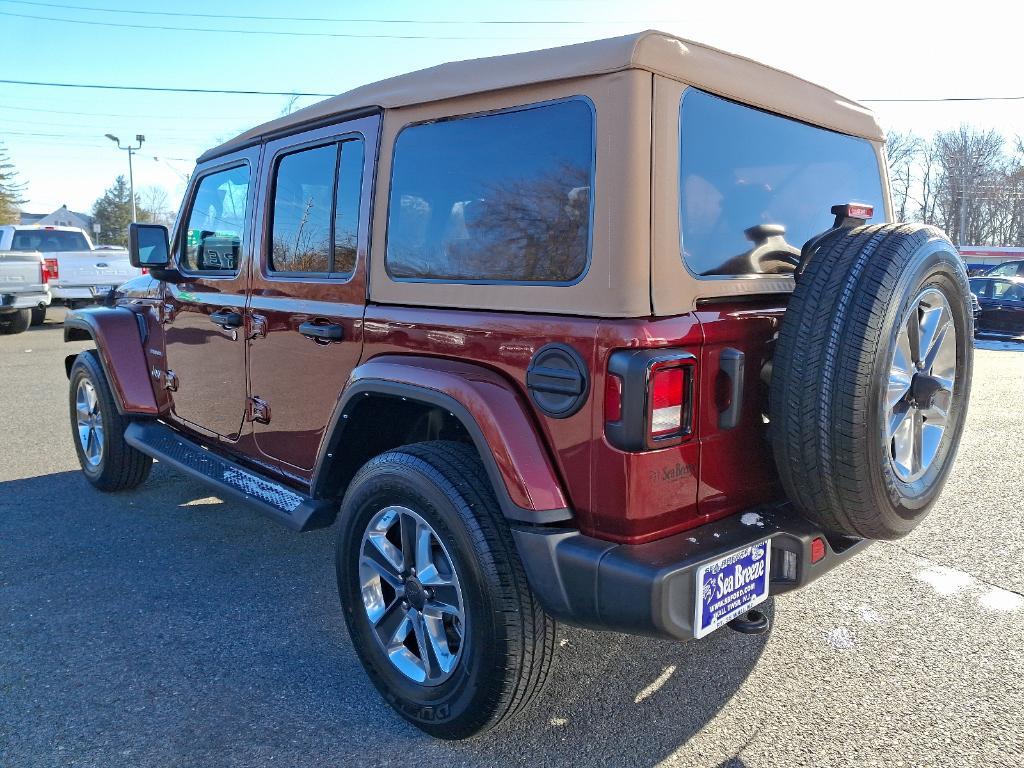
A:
[434,593]
[107,460]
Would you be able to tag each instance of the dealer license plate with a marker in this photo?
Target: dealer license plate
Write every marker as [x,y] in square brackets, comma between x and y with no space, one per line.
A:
[731,585]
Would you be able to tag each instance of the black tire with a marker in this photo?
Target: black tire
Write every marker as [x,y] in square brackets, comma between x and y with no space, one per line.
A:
[38,316]
[15,322]
[831,371]
[509,642]
[120,466]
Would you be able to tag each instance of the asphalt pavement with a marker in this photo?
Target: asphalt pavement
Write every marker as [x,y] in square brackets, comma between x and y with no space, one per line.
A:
[166,627]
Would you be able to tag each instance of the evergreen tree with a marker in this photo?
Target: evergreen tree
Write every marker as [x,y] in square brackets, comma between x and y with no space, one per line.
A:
[113,212]
[11,190]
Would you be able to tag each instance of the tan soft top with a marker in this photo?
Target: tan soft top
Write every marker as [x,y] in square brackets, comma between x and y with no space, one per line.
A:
[710,69]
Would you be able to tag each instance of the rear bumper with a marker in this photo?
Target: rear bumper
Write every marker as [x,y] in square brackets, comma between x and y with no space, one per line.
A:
[13,301]
[648,589]
[78,292]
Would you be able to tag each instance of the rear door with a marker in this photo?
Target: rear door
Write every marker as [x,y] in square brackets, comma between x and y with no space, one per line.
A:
[308,287]
[204,314]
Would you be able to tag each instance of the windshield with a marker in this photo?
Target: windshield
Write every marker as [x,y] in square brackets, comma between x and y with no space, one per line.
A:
[755,186]
[48,241]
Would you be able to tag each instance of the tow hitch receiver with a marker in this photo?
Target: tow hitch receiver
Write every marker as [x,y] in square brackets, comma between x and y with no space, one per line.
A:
[753,622]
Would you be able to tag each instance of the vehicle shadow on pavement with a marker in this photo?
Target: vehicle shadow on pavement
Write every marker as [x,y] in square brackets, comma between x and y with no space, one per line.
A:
[166,627]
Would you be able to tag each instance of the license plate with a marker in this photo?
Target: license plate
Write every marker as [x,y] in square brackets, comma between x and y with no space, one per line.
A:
[730,586]
[102,289]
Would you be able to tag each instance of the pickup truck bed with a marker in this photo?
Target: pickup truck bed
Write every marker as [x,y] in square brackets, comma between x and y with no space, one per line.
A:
[23,287]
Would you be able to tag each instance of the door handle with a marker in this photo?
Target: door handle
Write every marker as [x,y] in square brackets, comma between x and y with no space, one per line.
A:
[226,319]
[332,332]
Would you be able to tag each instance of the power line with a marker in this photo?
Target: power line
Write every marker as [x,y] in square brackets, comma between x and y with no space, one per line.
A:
[948,98]
[105,115]
[272,32]
[162,89]
[517,22]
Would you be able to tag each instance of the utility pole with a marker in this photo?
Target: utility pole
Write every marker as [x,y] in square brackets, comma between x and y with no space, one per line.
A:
[130,150]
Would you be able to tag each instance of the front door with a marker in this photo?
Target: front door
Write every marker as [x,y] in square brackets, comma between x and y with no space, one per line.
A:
[308,285]
[204,314]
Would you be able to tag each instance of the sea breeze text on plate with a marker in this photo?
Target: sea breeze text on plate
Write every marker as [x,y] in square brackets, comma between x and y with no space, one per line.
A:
[740,577]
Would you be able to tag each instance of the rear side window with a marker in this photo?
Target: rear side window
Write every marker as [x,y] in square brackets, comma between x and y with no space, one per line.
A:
[316,210]
[745,173]
[216,222]
[48,240]
[1011,269]
[504,197]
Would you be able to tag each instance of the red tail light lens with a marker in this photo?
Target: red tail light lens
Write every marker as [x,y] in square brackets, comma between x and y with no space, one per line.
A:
[52,270]
[667,396]
[44,274]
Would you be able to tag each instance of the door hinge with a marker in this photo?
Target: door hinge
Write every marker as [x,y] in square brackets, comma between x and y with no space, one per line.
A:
[258,410]
[167,312]
[257,326]
[171,381]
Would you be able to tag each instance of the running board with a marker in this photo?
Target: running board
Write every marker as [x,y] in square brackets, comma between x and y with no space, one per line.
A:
[287,506]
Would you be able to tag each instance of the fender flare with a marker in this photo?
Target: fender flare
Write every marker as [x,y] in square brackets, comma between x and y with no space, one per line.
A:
[490,409]
[118,336]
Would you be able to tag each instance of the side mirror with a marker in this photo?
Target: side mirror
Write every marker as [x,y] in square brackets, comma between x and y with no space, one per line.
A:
[148,246]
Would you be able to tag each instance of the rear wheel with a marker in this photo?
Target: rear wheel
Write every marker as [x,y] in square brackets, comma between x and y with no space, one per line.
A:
[871,378]
[38,316]
[15,322]
[107,461]
[435,597]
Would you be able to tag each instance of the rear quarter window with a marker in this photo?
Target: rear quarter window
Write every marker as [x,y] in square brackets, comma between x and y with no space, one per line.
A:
[502,197]
[745,173]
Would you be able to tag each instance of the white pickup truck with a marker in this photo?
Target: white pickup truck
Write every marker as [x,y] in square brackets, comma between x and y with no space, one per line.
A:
[24,293]
[80,273]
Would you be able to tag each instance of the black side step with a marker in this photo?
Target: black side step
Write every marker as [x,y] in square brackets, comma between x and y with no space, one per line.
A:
[287,506]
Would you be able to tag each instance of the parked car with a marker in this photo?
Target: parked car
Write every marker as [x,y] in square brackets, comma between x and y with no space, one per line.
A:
[1007,269]
[1002,306]
[80,273]
[24,289]
[520,325]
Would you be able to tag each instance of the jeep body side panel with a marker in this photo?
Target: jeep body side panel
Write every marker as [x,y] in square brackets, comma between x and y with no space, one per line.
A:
[118,336]
[492,412]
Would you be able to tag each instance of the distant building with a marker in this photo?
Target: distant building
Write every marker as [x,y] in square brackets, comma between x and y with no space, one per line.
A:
[978,257]
[62,217]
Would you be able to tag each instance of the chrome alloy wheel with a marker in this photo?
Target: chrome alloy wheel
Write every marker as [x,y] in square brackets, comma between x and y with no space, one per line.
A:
[90,422]
[920,388]
[412,596]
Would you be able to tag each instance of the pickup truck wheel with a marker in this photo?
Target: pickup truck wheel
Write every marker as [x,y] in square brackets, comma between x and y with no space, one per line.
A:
[108,462]
[15,322]
[434,594]
[38,316]
[871,378]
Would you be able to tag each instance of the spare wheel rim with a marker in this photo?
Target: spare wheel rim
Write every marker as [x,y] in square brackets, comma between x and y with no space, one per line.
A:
[919,395]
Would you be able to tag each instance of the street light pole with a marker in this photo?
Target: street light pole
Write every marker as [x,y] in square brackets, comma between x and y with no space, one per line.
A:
[131,178]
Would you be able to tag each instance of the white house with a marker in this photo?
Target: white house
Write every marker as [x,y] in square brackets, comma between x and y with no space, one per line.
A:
[62,217]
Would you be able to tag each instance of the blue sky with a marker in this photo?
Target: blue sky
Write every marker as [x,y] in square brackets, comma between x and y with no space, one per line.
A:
[55,135]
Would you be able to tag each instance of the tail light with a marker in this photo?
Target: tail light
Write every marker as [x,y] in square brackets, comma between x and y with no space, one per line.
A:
[52,270]
[44,273]
[649,398]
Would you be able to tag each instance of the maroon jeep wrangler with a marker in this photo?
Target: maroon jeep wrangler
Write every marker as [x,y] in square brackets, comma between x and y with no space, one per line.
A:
[598,334]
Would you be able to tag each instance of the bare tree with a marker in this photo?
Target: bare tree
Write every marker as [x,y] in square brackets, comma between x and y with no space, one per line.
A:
[155,201]
[903,151]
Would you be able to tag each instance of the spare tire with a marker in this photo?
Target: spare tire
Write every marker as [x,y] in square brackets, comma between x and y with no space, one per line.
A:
[871,377]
